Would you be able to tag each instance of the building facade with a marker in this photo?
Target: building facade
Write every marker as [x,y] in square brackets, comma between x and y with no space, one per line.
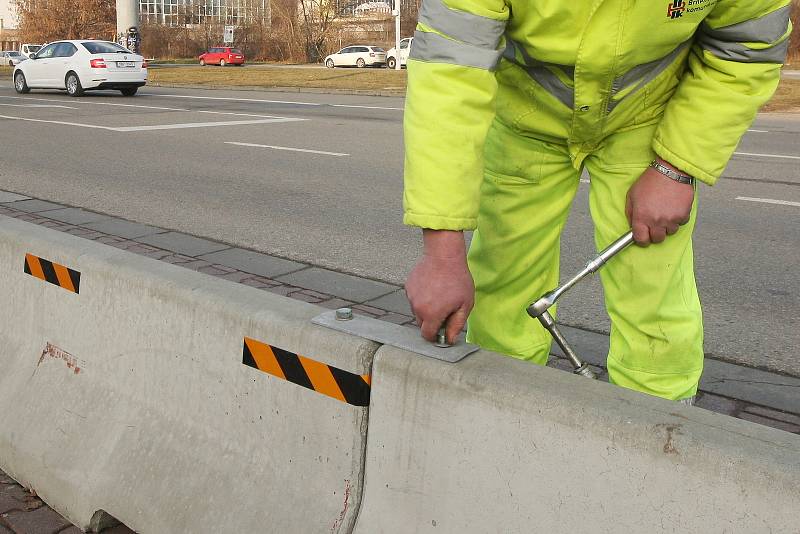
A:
[190,12]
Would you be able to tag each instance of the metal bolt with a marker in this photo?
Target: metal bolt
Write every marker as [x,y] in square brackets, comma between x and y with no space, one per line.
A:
[344,314]
[441,339]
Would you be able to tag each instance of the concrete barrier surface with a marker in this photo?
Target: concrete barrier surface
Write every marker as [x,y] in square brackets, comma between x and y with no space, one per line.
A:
[492,445]
[133,394]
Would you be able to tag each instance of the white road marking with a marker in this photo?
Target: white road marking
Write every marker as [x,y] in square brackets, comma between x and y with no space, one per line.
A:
[765,155]
[85,102]
[201,125]
[64,123]
[759,131]
[585,181]
[769,201]
[37,106]
[260,101]
[288,148]
[160,108]
[156,126]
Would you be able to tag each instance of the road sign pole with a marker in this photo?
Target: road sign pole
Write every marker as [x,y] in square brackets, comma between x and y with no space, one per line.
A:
[396,34]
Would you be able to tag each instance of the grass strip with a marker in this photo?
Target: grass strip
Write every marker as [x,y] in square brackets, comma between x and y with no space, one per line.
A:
[318,78]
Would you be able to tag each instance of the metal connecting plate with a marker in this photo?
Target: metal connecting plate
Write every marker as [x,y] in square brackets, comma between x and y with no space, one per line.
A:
[396,336]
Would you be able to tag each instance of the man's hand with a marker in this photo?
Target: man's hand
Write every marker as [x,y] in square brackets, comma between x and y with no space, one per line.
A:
[657,206]
[440,288]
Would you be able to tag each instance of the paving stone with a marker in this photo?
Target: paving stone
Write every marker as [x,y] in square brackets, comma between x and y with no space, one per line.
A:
[183,244]
[73,530]
[560,363]
[394,302]
[224,268]
[155,254]
[76,216]
[253,262]
[108,239]
[281,290]
[235,276]
[376,312]
[76,230]
[35,206]
[774,414]
[55,225]
[6,196]
[178,259]
[337,284]
[365,313]
[195,265]
[210,269]
[781,425]
[751,385]
[8,503]
[397,318]
[718,404]
[123,228]
[138,248]
[335,304]
[305,297]
[40,521]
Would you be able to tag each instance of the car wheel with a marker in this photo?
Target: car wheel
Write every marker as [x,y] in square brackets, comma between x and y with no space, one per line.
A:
[74,87]
[20,84]
[391,63]
[202,62]
[329,64]
[360,63]
[129,91]
[221,62]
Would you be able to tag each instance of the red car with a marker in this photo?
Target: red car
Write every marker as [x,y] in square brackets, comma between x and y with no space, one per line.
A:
[222,56]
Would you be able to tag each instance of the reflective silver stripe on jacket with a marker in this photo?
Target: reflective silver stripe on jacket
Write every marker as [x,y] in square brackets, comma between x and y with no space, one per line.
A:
[727,42]
[541,72]
[641,75]
[433,47]
[461,25]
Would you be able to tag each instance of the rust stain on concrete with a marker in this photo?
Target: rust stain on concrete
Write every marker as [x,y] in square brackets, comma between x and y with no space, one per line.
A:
[52,352]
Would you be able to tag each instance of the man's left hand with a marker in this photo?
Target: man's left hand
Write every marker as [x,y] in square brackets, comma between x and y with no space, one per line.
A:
[657,206]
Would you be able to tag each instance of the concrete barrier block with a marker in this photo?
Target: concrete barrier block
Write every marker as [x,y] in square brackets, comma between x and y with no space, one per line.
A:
[131,396]
[492,444]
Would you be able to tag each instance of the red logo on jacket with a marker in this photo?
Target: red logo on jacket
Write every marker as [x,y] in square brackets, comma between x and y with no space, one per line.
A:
[675,9]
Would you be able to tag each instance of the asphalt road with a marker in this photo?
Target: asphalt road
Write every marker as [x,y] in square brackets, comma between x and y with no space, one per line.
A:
[318,178]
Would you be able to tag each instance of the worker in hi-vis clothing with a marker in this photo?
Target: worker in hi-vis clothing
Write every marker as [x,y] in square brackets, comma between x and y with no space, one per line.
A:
[508,101]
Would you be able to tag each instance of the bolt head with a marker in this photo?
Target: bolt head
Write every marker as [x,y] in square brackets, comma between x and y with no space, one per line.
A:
[344,314]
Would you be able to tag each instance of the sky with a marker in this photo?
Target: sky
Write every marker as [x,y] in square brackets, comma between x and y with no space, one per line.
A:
[5,14]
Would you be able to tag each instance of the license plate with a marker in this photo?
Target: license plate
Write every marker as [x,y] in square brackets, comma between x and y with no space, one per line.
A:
[125,64]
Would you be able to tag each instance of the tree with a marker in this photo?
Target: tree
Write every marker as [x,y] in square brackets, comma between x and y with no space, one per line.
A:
[41,21]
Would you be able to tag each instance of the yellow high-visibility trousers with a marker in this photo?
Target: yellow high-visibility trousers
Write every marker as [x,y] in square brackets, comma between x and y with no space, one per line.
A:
[650,293]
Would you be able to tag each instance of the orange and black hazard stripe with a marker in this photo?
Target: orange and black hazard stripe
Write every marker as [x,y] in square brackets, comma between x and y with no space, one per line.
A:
[325,379]
[53,272]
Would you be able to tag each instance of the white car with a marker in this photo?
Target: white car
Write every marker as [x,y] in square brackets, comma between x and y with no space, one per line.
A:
[11,58]
[82,65]
[357,56]
[392,55]
[29,48]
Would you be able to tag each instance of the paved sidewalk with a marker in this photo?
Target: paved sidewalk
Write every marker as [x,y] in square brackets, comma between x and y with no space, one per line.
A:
[759,396]
[23,512]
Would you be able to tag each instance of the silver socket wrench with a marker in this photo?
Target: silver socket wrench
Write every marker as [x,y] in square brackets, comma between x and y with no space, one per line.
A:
[540,309]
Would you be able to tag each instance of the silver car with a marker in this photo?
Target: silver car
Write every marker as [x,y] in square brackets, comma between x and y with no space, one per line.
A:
[11,58]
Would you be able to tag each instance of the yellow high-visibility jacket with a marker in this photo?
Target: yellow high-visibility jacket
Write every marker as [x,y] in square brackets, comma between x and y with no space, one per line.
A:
[574,72]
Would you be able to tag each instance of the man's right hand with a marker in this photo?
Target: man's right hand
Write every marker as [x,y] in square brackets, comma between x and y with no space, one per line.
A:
[440,287]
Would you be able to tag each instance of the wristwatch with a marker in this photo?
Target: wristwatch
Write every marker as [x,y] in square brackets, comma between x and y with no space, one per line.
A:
[673,175]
